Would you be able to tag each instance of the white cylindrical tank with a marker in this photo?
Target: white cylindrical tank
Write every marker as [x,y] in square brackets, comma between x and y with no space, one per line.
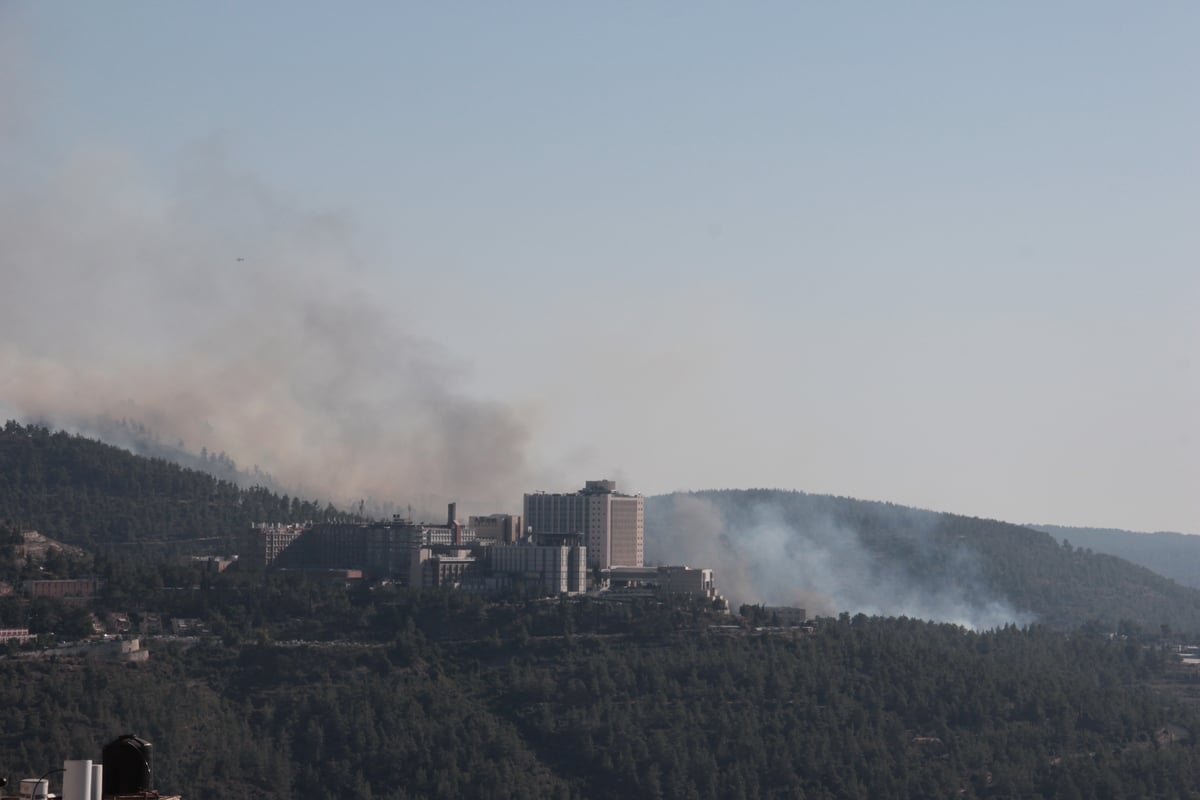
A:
[77,780]
[97,782]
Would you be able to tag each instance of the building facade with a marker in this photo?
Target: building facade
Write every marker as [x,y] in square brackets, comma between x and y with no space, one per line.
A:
[444,566]
[69,588]
[15,635]
[555,565]
[696,581]
[268,540]
[688,580]
[378,549]
[613,524]
[496,528]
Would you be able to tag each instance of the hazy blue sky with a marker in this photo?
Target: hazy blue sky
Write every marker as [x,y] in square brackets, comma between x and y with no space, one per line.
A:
[944,254]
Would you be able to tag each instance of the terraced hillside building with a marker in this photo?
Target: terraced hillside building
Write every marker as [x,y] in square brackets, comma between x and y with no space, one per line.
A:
[379,549]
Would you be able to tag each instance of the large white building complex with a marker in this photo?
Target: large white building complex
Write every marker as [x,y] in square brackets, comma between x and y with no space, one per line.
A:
[613,524]
[571,543]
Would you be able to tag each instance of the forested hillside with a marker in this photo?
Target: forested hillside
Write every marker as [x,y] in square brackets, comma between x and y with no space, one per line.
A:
[90,494]
[130,435]
[301,687]
[828,554]
[581,700]
[782,547]
[1174,555]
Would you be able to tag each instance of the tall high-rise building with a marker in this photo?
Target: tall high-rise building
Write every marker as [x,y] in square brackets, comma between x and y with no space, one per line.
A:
[613,523]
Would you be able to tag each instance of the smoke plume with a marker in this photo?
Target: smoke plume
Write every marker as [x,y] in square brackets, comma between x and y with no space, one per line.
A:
[762,553]
[212,312]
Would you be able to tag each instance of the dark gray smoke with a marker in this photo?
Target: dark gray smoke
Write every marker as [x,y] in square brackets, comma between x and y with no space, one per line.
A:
[762,553]
[213,313]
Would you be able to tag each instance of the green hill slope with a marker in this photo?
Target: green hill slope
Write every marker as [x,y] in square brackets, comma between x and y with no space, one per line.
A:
[864,707]
[831,554]
[1174,555]
[89,494]
[827,554]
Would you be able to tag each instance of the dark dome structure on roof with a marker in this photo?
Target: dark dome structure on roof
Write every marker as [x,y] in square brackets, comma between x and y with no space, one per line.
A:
[128,765]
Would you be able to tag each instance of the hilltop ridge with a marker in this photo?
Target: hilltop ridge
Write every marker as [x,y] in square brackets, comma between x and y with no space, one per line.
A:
[888,559]
[1175,555]
[826,553]
[85,493]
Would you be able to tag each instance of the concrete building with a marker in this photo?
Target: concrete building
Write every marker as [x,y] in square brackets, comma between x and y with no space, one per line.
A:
[447,567]
[17,635]
[694,581]
[688,580]
[487,553]
[613,523]
[268,541]
[378,549]
[553,563]
[389,549]
[66,589]
[496,528]
[424,554]
[324,545]
[455,555]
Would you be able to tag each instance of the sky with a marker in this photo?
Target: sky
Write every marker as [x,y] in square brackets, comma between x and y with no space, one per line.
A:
[940,254]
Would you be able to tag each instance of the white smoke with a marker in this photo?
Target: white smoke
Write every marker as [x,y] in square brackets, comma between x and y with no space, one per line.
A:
[821,565]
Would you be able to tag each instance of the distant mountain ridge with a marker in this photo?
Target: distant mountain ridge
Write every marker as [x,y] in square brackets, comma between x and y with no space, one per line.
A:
[1174,555]
[836,553]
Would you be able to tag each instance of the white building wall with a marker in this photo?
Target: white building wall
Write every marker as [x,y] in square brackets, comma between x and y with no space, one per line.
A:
[557,569]
[598,530]
[626,531]
[613,524]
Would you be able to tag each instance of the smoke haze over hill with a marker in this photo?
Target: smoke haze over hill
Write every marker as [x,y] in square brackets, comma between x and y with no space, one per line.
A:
[213,312]
[471,247]
[763,553]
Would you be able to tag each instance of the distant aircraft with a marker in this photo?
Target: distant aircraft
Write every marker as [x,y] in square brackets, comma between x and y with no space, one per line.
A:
[241,259]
